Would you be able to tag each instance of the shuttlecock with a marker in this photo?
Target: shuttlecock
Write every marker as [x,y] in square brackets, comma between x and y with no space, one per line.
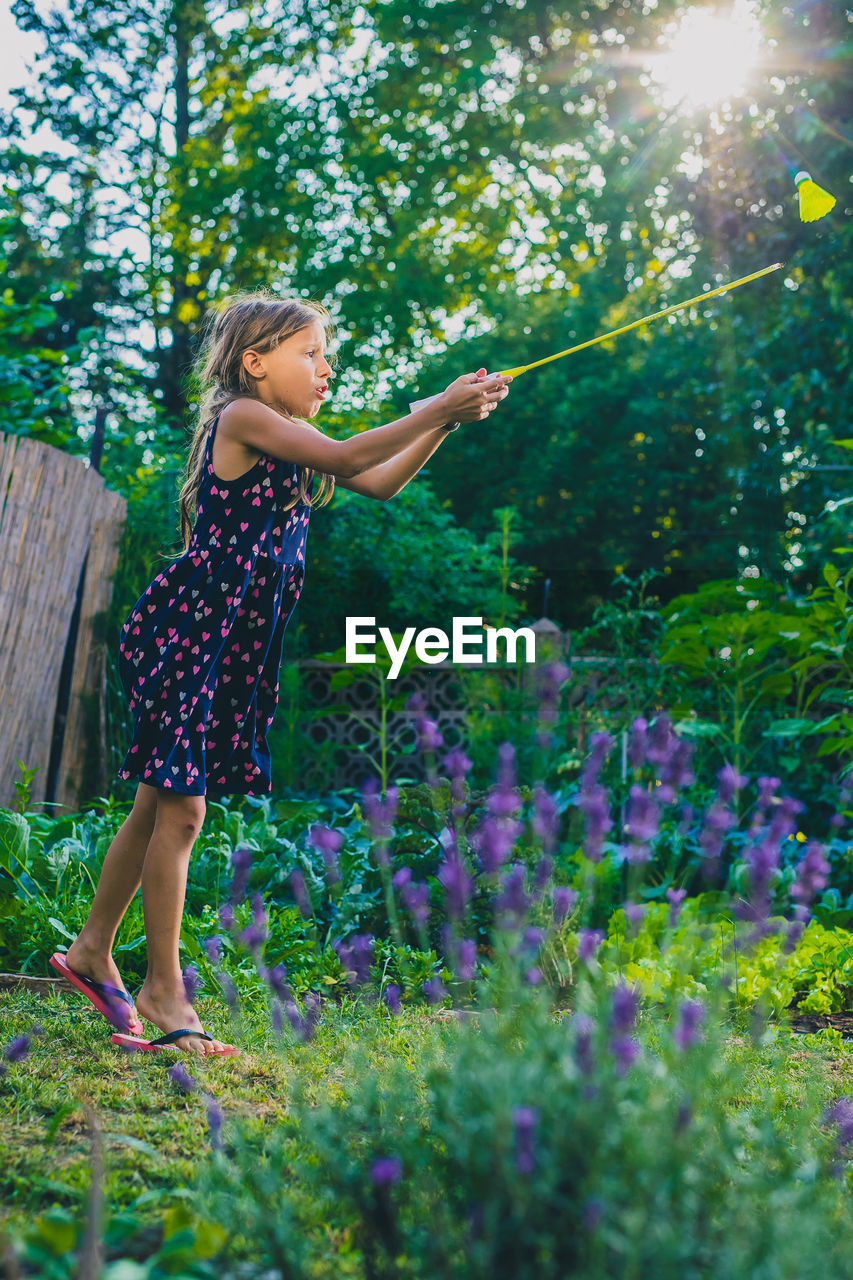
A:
[814,201]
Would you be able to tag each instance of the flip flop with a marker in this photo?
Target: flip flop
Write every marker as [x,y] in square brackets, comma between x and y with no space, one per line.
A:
[155,1046]
[101,994]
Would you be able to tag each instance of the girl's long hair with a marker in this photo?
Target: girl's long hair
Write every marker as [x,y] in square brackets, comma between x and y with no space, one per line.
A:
[258,319]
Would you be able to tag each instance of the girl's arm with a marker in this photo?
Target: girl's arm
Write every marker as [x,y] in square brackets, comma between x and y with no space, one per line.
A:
[388,478]
[260,427]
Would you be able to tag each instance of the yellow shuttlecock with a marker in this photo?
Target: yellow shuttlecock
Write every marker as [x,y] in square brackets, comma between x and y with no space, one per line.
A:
[814,201]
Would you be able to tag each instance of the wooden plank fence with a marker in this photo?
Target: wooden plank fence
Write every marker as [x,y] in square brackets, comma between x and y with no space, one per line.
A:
[56,515]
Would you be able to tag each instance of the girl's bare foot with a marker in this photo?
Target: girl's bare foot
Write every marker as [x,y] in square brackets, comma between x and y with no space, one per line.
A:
[168,1011]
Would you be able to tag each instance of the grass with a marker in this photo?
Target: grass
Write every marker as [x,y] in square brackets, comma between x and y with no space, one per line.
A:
[155,1137]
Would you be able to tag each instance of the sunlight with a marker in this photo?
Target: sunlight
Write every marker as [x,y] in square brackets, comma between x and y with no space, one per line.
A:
[710,55]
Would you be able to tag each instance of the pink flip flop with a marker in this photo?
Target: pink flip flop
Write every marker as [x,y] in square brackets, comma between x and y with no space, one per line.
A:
[155,1046]
[104,997]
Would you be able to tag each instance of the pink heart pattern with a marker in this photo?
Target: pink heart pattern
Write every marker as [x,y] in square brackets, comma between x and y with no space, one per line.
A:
[200,721]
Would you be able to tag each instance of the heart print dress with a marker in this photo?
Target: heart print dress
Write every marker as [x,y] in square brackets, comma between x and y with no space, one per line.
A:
[200,651]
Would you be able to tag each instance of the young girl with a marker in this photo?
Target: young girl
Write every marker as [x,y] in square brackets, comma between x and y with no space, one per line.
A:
[201,649]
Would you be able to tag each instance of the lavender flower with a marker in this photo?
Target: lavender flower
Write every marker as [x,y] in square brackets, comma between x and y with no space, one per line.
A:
[380,813]
[593,799]
[391,995]
[541,875]
[675,772]
[525,1120]
[229,991]
[589,940]
[416,900]
[356,955]
[546,818]
[385,1171]
[226,916]
[638,743]
[623,1008]
[676,897]
[191,982]
[241,861]
[564,900]
[277,980]
[214,1122]
[18,1049]
[642,824]
[533,976]
[635,912]
[625,1051]
[512,903]
[434,989]
[182,1077]
[812,874]
[255,933]
[660,742]
[691,1015]
[299,890]
[493,841]
[583,1043]
[213,947]
[453,876]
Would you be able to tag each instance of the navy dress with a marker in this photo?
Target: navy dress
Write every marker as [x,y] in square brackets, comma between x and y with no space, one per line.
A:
[200,652]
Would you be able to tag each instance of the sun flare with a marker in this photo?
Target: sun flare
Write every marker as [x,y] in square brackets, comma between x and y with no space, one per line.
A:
[710,55]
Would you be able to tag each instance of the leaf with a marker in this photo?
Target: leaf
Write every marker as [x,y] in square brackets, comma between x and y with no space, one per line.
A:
[14,839]
[61,929]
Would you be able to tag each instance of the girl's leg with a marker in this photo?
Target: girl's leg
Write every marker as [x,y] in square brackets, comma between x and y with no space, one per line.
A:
[120,878]
[162,998]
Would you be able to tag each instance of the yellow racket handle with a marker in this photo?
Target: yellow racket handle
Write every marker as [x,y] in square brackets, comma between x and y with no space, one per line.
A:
[656,315]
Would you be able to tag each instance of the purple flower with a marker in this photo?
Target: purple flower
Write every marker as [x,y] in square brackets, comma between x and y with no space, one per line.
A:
[214,1122]
[325,839]
[546,817]
[660,742]
[533,976]
[356,955]
[456,881]
[304,1026]
[675,772]
[637,743]
[298,888]
[241,862]
[466,960]
[255,933]
[493,841]
[623,1009]
[191,982]
[564,900]
[16,1050]
[213,947]
[691,1015]
[635,912]
[583,1043]
[391,996]
[676,897]
[386,1170]
[841,1113]
[226,915]
[277,980]
[457,763]
[642,824]
[380,813]
[812,874]
[182,1077]
[229,991]
[593,798]
[512,902]
[589,940]
[525,1120]
[625,1051]
[542,874]
[730,781]
[416,900]
[434,989]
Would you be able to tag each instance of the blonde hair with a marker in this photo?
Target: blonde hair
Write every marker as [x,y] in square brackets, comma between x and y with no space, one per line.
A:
[251,318]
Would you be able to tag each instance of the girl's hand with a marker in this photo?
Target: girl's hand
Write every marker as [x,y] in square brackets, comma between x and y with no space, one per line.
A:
[473,396]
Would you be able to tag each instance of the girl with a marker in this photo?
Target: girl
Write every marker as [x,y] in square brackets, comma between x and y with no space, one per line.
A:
[200,651]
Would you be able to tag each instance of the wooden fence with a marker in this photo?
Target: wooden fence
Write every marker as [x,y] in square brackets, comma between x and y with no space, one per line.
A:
[58,523]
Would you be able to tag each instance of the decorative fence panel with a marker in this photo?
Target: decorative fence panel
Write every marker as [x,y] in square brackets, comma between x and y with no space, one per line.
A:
[56,515]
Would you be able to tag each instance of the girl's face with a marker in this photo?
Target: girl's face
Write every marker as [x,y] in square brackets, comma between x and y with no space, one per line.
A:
[295,374]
